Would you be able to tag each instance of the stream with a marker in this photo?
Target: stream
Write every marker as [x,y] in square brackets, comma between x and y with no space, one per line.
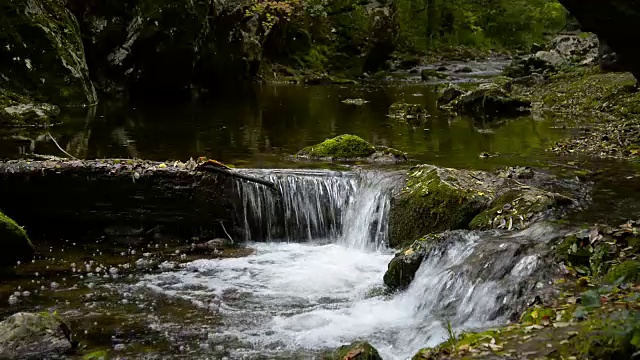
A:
[312,280]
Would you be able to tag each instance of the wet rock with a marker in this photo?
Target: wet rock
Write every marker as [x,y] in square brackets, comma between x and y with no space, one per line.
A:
[438,199]
[34,336]
[492,102]
[212,246]
[355,351]
[21,111]
[15,243]
[451,93]
[350,148]
[402,110]
[42,53]
[527,66]
[430,74]
[464,69]
[402,268]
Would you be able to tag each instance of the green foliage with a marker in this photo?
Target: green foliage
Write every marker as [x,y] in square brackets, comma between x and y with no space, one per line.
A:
[431,23]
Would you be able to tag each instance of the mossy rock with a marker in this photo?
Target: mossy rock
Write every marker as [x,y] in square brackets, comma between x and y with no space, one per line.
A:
[431,74]
[33,336]
[450,94]
[351,148]
[492,101]
[42,53]
[16,243]
[342,146]
[514,209]
[433,200]
[402,110]
[20,111]
[359,350]
[628,271]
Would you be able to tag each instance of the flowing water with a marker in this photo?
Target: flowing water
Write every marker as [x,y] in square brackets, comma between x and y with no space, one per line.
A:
[314,281]
[321,287]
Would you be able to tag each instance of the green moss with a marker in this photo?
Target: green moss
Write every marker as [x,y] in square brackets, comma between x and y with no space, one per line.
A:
[16,245]
[428,204]
[20,111]
[46,53]
[402,110]
[356,351]
[628,270]
[538,315]
[342,147]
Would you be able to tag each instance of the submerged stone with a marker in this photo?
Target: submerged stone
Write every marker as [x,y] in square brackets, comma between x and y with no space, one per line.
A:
[492,102]
[402,110]
[15,243]
[355,351]
[34,336]
[451,93]
[350,148]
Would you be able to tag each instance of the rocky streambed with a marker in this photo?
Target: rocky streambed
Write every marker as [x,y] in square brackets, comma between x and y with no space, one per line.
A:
[131,280]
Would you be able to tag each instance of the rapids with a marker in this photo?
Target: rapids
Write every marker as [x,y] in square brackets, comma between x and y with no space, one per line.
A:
[315,280]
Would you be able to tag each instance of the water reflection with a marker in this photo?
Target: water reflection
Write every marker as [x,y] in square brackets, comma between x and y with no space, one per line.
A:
[259,126]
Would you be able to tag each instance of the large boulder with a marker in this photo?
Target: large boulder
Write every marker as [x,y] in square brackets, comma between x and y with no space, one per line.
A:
[34,336]
[613,21]
[15,242]
[42,53]
[438,199]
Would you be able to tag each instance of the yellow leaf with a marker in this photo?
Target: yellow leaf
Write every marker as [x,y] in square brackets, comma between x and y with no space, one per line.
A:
[534,314]
[162,166]
[409,252]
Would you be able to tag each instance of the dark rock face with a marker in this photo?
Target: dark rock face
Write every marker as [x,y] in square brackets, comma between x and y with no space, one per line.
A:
[614,22]
[166,47]
[42,53]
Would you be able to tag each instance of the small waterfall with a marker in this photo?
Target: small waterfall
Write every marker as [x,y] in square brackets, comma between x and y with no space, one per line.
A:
[350,207]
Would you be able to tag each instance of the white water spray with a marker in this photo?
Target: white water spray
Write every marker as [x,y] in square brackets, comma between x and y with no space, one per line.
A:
[302,298]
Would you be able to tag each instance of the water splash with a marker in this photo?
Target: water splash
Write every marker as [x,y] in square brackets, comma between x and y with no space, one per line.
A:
[304,298]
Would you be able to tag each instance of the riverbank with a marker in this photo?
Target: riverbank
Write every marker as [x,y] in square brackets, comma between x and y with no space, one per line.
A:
[602,109]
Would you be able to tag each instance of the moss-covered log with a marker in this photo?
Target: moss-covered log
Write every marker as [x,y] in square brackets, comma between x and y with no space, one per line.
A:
[53,196]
